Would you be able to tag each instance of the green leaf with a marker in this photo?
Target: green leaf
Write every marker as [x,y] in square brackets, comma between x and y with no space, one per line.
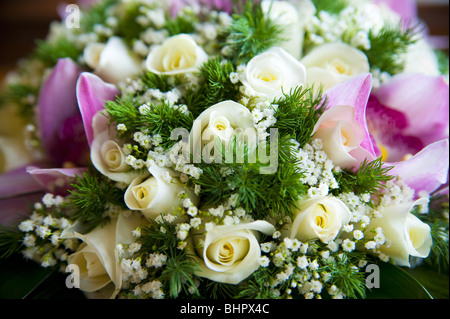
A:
[19,278]
[436,283]
[397,283]
[25,279]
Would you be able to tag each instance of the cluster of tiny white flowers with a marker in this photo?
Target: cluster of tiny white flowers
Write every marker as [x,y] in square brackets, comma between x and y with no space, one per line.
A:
[358,206]
[132,270]
[318,169]
[227,214]
[42,234]
[395,192]
[379,77]
[170,98]
[301,270]
[326,27]
[351,25]
[264,117]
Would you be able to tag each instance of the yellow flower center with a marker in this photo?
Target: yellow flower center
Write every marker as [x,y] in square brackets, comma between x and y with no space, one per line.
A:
[321,219]
[141,192]
[384,152]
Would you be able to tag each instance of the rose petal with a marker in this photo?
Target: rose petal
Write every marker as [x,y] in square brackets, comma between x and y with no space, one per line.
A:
[116,62]
[427,170]
[241,270]
[57,102]
[355,92]
[423,99]
[92,92]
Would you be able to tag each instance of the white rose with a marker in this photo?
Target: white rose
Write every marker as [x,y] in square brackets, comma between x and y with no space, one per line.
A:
[113,62]
[406,235]
[421,58]
[97,257]
[107,156]
[292,18]
[156,194]
[178,54]
[320,218]
[273,72]
[341,135]
[230,253]
[333,63]
[220,121]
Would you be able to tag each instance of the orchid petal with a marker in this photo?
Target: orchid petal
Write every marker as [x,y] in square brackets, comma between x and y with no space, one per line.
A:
[406,9]
[387,126]
[355,92]
[57,103]
[16,209]
[427,170]
[55,179]
[423,99]
[18,182]
[92,92]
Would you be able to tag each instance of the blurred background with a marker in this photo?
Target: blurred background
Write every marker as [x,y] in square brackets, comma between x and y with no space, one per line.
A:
[24,21]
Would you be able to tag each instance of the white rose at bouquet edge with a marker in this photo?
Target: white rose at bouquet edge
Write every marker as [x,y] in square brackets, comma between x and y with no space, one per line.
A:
[97,257]
[176,55]
[292,17]
[341,135]
[333,63]
[107,156]
[157,194]
[231,253]
[273,72]
[423,52]
[113,62]
[221,121]
[406,235]
[320,218]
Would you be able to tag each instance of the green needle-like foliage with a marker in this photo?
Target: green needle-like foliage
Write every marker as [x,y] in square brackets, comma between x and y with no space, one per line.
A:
[50,52]
[10,241]
[297,113]
[160,119]
[369,178]
[90,199]
[251,33]
[387,48]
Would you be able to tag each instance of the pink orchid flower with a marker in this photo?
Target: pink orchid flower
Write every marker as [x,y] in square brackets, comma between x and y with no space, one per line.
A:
[409,120]
[83,98]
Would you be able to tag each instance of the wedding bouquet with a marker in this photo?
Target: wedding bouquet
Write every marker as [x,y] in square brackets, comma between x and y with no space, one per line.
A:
[230,149]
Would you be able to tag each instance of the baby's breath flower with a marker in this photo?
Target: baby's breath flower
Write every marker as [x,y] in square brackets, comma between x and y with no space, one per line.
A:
[264,261]
[348,245]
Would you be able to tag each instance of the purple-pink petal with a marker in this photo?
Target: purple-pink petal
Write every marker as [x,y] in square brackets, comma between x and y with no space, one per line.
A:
[354,92]
[18,182]
[424,101]
[15,209]
[406,9]
[387,125]
[57,104]
[427,170]
[92,93]
[55,180]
